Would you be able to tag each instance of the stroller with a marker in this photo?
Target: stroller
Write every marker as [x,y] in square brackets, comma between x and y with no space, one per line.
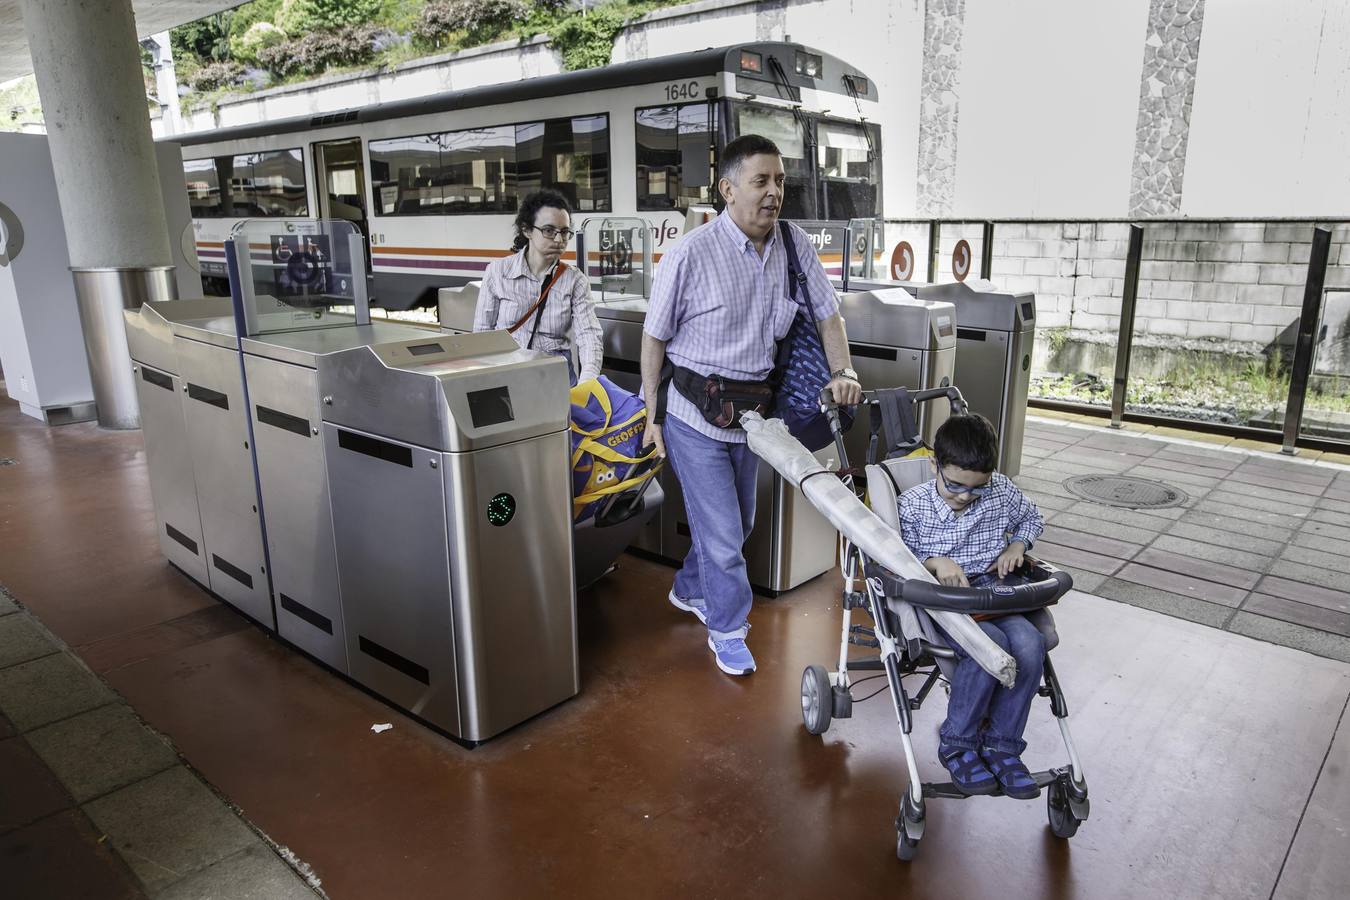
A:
[905,634]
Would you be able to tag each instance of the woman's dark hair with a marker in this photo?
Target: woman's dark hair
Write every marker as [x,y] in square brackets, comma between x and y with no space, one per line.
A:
[967,442]
[530,207]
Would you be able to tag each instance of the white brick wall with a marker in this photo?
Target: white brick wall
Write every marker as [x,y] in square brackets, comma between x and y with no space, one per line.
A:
[1219,281]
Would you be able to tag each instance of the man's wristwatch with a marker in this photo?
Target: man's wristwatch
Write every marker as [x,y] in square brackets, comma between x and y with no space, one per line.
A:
[845,373]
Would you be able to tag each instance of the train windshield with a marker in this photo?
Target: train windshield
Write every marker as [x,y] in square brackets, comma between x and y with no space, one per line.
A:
[833,167]
[785,130]
[847,171]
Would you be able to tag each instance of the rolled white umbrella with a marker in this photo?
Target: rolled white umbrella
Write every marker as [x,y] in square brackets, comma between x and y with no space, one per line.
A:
[770,440]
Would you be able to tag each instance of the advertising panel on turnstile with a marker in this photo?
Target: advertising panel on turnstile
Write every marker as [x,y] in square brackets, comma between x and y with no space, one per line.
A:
[299,274]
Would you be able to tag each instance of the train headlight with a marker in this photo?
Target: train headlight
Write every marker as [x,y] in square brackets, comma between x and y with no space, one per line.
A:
[752,62]
[809,64]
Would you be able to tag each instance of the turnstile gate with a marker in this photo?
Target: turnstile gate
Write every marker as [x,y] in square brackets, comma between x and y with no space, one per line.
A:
[448,472]
[898,340]
[995,334]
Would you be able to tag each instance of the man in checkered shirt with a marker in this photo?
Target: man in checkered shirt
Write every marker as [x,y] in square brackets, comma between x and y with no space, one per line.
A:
[971,526]
[719,303]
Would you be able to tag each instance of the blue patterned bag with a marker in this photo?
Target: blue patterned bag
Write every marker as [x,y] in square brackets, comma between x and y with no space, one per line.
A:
[802,369]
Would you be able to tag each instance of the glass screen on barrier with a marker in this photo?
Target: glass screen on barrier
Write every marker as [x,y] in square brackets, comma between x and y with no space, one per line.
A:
[301,273]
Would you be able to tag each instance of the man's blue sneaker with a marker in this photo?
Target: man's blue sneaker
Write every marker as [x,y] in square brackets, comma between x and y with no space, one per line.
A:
[732,656]
[697,607]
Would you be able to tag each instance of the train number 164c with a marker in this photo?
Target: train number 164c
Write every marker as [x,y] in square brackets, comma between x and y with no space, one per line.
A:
[686,90]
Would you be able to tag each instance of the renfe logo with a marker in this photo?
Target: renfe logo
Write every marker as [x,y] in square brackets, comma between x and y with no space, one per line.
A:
[663,232]
[820,239]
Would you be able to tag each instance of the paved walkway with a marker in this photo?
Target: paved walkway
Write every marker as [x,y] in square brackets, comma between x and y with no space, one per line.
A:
[1261,546]
[95,804]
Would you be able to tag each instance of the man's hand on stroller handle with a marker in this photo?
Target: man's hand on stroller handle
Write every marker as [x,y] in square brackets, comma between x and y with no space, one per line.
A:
[1010,560]
[946,571]
[844,391]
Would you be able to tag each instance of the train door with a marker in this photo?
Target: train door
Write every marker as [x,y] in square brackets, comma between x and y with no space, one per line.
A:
[340,179]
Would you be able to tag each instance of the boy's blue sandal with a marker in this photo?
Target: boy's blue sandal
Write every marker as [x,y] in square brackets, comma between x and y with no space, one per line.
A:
[969,774]
[1012,774]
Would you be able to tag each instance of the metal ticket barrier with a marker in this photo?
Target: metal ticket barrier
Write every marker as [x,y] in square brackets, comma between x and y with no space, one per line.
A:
[995,333]
[898,340]
[200,454]
[162,393]
[236,467]
[289,280]
[448,473]
[619,254]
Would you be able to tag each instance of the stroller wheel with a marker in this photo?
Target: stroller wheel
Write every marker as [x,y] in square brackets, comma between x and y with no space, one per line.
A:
[908,828]
[817,699]
[1063,823]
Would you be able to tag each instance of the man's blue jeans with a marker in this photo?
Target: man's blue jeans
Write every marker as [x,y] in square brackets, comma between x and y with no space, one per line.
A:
[711,474]
[976,695]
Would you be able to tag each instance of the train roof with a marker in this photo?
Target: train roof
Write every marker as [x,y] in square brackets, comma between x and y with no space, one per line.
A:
[646,71]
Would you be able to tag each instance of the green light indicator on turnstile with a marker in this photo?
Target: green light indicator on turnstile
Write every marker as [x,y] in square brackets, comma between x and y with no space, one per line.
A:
[501,509]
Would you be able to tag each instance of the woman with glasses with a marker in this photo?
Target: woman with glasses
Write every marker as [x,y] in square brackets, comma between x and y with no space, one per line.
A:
[542,301]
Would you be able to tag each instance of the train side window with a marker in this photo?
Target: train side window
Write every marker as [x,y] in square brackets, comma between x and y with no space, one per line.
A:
[203,188]
[478,170]
[568,155]
[406,176]
[269,183]
[674,156]
[488,170]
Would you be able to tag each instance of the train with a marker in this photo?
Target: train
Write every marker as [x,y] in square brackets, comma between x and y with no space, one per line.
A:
[434,182]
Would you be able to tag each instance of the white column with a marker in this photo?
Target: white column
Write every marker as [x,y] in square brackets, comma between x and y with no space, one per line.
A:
[87,63]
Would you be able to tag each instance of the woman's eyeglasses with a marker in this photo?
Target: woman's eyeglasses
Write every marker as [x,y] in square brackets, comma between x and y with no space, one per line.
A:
[958,489]
[554,234]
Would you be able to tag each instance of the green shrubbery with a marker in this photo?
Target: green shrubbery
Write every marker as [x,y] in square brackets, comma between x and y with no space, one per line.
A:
[216,75]
[319,51]
[293,39]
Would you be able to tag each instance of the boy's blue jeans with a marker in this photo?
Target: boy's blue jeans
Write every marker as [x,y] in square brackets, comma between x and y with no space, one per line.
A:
[977,695]
[718,482]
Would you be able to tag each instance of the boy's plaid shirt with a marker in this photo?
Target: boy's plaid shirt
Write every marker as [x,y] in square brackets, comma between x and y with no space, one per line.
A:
[976,537]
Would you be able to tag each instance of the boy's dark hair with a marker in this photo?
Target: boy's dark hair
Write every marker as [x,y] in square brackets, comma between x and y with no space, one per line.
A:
[968,442]
[744,147]
[530,207]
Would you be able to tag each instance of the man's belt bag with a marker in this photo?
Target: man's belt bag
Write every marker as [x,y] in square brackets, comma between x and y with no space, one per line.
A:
[720,400]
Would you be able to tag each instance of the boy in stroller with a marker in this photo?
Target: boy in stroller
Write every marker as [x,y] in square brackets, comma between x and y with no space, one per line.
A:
[971,527]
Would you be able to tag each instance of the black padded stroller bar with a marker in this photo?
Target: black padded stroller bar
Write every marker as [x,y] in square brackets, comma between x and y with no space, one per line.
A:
[991,599]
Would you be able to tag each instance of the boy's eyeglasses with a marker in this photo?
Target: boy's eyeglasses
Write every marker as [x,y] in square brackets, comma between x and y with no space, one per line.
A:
[554,234]
[958,489]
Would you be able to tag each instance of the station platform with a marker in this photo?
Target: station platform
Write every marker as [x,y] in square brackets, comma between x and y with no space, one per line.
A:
[1219,761]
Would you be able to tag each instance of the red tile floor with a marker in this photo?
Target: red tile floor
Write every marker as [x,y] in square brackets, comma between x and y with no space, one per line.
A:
[1215,760]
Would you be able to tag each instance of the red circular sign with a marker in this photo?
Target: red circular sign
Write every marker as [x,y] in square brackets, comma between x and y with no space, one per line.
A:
[961,260]
[902,262]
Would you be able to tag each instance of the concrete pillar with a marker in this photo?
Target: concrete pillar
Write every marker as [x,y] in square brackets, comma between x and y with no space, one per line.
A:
[87,63]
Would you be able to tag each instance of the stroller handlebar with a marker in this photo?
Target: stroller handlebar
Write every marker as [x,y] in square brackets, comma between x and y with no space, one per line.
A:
[990,599]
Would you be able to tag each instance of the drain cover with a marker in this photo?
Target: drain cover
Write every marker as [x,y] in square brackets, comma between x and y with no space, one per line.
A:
[1124,490]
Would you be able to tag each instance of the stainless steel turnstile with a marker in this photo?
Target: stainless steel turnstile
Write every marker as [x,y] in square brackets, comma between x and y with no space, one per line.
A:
[995,333]
[162,393]
[200,454]
[898,340]
[448,474]
[284,410]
